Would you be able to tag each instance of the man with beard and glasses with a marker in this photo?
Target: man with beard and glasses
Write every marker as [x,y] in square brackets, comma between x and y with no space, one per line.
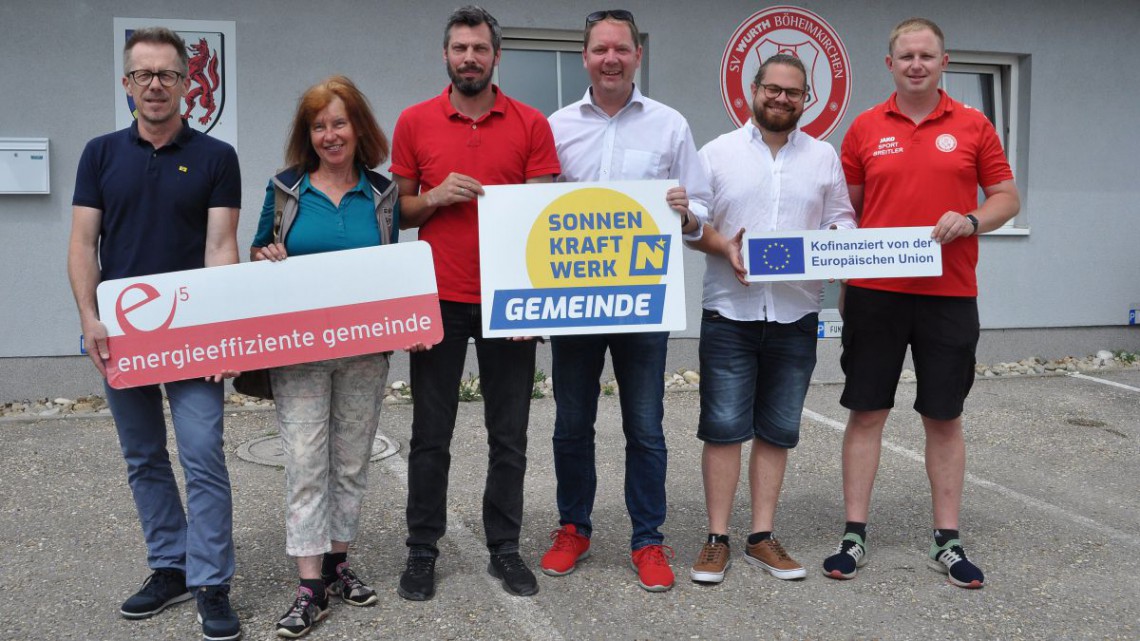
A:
[616,133]
[443,151]
[943,152]
[758,342]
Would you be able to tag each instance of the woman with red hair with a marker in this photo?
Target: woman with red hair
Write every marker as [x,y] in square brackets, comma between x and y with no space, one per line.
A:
[327,200]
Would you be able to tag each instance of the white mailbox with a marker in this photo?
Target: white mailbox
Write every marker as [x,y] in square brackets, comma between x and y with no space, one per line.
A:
[24,166]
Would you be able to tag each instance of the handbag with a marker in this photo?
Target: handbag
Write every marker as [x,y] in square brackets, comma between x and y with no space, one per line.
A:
[255,383]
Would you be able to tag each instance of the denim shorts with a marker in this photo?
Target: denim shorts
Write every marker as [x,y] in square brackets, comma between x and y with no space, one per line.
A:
[754,378]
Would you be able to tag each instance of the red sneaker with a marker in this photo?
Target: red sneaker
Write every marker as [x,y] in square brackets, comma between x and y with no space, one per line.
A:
[568,548]
[652,565]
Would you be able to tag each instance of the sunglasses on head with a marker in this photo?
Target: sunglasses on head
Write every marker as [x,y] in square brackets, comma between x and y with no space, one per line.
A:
[617,14]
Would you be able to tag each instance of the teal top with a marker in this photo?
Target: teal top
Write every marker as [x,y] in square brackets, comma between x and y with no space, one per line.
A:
[321,226]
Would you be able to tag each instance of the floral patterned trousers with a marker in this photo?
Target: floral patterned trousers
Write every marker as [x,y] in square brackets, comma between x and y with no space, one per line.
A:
[327,413]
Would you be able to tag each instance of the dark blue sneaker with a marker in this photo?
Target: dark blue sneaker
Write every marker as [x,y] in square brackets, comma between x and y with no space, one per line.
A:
[951,560]
[218,619]
[162,589]
[848,558]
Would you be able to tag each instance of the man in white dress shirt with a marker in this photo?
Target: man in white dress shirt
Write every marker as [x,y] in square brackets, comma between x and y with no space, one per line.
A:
[615,133]
[758,342]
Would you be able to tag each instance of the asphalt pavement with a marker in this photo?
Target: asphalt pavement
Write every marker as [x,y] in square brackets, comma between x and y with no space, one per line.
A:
[1051,513]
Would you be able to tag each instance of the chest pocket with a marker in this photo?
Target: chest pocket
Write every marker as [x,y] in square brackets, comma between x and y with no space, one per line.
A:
[639,164]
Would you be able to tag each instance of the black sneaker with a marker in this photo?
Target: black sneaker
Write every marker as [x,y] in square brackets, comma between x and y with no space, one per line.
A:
[162,589]
[848,558]
[950,559]
[349,587]
[218,619]
[417,583]
[302,615]
[516,576]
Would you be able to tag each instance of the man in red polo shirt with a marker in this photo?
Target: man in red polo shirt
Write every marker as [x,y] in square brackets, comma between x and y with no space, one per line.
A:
[917,160]
[443,151]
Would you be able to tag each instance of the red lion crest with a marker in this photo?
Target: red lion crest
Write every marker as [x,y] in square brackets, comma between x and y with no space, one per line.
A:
[204,80]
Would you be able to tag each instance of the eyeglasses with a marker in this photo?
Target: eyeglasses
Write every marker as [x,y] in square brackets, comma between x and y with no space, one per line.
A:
[166,78]
[774,91]
[620,15]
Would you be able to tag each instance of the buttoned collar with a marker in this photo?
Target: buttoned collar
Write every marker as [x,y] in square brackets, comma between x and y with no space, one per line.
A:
[361,184]
[636,100]
[945,106]
[180,139]
[757,136]
[499,107]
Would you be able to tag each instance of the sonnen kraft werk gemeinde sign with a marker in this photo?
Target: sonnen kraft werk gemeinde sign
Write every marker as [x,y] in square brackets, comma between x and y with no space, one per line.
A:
[580,258]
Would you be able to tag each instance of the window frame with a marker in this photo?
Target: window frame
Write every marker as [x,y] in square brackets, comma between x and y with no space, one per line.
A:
[1005,69]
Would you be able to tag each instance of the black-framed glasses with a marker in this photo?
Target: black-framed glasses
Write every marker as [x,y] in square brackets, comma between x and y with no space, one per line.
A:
[617,14]
[773,91]
[166,78]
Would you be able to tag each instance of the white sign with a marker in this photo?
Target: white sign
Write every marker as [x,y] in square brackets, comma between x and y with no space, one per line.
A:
[210,105]
[889,252]
[198,322]
[580,258]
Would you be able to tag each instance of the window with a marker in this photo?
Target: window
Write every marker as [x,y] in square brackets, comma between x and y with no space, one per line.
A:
[543,67]
[991,83]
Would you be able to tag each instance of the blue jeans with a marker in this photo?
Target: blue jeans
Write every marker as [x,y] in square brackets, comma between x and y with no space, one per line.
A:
[639,367]
[199,539]
[506,375]
[754,378]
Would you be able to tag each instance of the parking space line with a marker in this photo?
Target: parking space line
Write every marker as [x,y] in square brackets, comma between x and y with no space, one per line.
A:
[1053,510]
[1085,377]
[523,610]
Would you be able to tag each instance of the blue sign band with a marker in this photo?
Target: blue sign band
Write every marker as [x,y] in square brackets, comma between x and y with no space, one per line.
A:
[577,306]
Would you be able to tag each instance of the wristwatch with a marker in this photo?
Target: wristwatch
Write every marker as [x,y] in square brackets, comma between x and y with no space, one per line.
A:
[973,221]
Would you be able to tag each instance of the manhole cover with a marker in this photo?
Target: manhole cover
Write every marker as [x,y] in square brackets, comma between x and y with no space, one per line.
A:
[267,450]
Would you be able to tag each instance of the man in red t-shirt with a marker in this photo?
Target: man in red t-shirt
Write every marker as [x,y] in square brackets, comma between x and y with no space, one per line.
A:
[443,151]
[917,160]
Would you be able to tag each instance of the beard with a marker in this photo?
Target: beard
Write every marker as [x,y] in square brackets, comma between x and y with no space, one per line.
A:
[784,121]
[465,86]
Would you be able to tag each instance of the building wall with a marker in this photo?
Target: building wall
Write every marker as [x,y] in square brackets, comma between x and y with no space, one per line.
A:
[1076,268]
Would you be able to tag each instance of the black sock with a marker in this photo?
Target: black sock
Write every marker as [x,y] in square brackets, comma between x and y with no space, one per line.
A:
[942,537]
[717,538]
[757,537]
[316,586]
[331,560]
[854,527]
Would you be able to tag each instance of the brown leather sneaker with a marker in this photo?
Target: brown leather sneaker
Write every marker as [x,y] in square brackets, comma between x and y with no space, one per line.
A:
[711,563]
[770,555]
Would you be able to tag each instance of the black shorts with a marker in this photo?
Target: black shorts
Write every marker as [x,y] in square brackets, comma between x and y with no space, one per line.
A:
[942,332]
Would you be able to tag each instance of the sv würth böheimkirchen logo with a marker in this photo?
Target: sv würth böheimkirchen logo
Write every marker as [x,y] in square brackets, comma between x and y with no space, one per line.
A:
[807,36]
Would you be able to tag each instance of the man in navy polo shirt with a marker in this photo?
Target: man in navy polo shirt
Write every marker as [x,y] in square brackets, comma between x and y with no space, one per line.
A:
[159,197]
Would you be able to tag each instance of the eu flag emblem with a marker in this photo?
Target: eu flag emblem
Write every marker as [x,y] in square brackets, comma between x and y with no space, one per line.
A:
[768,256]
